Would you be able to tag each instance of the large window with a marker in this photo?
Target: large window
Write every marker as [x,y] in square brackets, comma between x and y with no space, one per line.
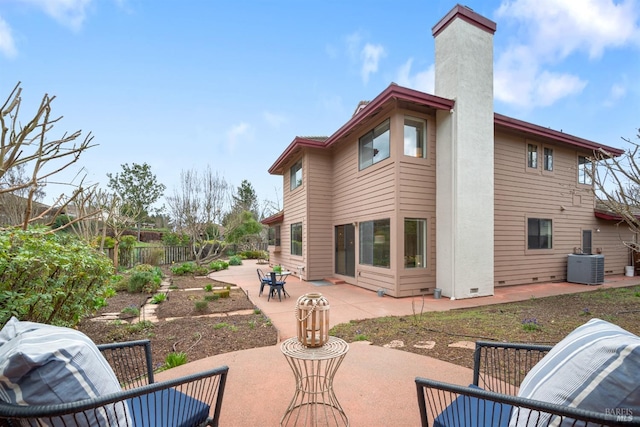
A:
[584,170]
[375,245]
[374,146]
[540,233]
[296,239]
[415,243]
[532,156]
[274,235]
[415,137]
[548,159]
[296,175]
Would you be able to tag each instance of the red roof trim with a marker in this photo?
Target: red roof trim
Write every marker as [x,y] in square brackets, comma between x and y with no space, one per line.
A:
[532,129]
[467,15]
[393,91]
[607,216]
[273,219]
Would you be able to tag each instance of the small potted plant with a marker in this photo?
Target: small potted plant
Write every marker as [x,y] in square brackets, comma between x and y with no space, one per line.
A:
[277,269]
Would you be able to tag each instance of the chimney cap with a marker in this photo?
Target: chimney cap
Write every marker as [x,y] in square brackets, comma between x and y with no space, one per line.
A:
[466,14]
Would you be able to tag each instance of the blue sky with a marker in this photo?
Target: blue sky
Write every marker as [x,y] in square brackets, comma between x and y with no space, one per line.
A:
[185,84]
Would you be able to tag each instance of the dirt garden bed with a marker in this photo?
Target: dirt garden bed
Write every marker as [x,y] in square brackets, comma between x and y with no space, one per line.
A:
[193,331]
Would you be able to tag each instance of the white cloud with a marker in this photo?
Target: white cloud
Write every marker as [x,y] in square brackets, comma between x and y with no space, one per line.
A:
[274,120]
[553,30]
[371,55]
[7,44]
[70,13]
[366,56]
[422,80]
[617,92]
[237,133]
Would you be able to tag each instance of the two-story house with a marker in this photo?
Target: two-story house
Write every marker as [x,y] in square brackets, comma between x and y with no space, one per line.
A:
[420,191]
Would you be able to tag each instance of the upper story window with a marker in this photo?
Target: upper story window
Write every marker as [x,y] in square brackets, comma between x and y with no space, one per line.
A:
[296,175]
[548,159]
[532,156]
[584,170]
[415,137]
[374,146]
[296,239]
[375,243]
[540,233]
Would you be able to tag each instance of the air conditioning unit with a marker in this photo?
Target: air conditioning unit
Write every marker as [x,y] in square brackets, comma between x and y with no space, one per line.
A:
[585,269]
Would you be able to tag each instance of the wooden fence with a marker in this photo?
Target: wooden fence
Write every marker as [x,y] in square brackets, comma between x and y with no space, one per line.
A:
[161,255]
[155,255]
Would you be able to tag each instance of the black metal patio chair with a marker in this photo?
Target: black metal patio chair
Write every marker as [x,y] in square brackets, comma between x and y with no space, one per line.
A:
[192,400]
[492,400]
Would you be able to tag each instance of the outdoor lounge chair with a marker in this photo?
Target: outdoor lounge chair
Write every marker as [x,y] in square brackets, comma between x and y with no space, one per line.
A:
[492,400]
[192,400]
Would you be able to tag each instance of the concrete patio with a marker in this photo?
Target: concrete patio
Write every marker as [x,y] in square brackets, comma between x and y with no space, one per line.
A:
[374,384]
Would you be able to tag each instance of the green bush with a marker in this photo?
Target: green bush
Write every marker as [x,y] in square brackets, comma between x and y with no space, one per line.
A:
[212,297]
[144,281]
[158,298]
[253,254]
[184,269]
[201,306]
[218,265]
[108,242]
[200,271]
[49,277]
[174,359]
[175,239]
[235,260]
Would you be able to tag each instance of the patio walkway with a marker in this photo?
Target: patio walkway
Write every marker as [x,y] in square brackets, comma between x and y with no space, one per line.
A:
[374,385]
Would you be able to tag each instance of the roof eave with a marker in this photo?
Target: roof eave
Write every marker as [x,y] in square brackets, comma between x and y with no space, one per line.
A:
[530,128]
[392,92]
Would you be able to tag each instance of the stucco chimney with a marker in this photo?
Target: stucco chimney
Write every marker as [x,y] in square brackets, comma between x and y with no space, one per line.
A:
[464,153]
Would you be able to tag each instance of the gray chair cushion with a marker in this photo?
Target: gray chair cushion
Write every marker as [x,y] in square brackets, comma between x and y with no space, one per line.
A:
[595,368]
[43,364]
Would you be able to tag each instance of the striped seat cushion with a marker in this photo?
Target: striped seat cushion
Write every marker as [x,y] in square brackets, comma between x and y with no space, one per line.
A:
[595,368]
[43,364]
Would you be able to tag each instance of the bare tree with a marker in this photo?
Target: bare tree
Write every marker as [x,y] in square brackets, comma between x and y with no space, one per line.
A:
[30,146]
[617,185]
[196,208]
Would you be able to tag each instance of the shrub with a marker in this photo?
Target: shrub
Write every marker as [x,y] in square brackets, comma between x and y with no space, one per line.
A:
[155,256]
[235,260]
[201,306]
[200,271]
[109,242]
[222,293]
[147,281]
[174,359]
[208,287]
[158,298]
[253,254]
[183,269]
[213,297]
[49,277]
[175,239]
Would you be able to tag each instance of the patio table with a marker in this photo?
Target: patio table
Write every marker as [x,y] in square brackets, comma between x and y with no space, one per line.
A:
[314,401]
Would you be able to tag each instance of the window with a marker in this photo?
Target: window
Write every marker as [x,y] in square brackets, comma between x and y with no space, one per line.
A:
[539,233]
[584,170]
[296,239]
[374,146]
[415,243]
[274,236]
[375,245]
[532,156]
[296,175]
[548,159]
[414,137]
